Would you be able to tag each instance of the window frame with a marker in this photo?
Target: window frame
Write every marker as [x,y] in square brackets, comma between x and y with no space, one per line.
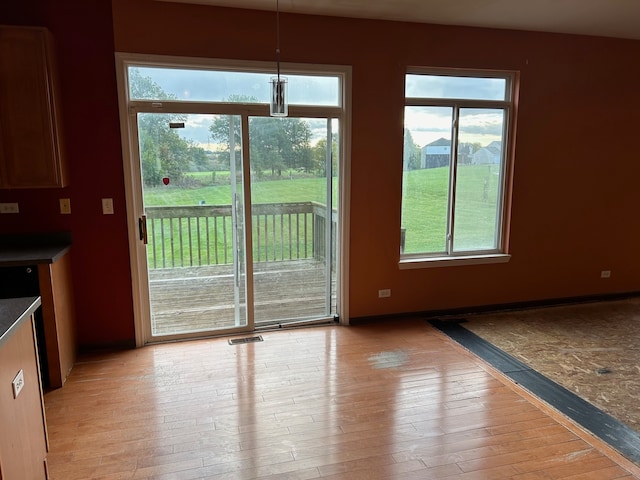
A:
[508,106]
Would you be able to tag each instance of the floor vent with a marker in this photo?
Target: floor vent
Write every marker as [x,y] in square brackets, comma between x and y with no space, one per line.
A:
[240,341]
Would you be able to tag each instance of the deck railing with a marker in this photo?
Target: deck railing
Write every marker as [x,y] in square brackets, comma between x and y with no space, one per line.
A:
[203,235]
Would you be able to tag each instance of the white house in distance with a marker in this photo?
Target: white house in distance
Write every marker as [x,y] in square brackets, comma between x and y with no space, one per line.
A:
[489,155]
[438,154]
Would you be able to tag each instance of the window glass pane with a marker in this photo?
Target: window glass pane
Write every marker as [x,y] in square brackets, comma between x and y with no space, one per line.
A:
[445,86]
[162,83]
[290,207]
[478,180]
[425,184]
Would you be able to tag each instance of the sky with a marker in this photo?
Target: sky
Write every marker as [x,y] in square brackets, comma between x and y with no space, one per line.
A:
[220,86]
[426,124]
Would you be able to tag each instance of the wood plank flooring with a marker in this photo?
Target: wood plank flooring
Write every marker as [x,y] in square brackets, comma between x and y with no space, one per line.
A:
[392,401]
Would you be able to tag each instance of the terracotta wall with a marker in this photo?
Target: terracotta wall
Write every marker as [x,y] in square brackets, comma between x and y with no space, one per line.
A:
[83,35]
[574,193]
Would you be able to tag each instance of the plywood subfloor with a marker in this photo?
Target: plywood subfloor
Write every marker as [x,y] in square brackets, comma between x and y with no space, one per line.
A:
[592,349]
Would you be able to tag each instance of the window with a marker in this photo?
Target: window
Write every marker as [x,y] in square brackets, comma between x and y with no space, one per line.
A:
[456,134]
[218,85]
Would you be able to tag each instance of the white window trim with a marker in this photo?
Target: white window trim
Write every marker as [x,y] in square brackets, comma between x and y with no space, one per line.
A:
[501,254]
[413,263]
[131,168]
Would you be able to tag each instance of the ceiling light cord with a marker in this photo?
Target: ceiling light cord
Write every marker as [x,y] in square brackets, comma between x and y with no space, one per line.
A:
[278,106]
[278,37]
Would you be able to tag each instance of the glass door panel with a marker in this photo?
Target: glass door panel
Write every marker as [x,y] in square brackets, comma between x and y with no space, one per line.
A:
[193,192]
[293,192]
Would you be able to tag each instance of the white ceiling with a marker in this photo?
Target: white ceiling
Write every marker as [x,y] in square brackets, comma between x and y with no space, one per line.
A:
[609,18]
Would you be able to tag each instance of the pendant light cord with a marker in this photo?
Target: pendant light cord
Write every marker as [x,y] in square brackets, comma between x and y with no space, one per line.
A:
[278,37]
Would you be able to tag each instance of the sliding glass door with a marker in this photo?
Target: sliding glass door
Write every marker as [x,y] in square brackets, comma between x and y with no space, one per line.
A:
[234,212]
[294,219]
[194,226]
[195,222]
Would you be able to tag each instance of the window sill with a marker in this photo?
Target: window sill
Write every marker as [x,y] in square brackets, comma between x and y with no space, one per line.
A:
[438,262]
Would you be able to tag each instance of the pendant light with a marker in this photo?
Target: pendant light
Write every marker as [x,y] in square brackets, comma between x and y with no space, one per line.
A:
[278,103]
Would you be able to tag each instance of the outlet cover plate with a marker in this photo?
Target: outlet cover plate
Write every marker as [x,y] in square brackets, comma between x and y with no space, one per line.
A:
[18,383]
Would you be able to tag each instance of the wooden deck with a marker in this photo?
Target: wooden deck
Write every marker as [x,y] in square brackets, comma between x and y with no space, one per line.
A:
[196,299]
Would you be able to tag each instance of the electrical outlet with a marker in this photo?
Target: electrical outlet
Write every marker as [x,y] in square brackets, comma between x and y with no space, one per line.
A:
[384,293]
[9,208]
[65,206]
[107,206]
[605,274]
[18,383]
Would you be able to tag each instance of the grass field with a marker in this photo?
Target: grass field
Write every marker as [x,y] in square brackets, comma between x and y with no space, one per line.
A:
[424,209]
[425,200]
[296,190]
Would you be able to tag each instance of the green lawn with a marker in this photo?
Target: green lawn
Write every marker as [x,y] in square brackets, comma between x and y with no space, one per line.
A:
[296,190]
[425,203]
[425,200]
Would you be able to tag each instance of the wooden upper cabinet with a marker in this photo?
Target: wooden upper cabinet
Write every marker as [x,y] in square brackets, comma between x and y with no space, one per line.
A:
[31,154]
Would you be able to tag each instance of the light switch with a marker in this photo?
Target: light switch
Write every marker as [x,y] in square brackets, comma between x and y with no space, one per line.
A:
[107,206]
[9,208]
[65,206]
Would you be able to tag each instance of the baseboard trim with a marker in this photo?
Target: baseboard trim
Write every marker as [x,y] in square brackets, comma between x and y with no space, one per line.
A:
[107,347]
[494,308]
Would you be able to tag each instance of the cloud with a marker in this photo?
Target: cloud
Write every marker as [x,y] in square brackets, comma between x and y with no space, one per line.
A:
[443,86]
[482,123]
[428,124]
[219,86]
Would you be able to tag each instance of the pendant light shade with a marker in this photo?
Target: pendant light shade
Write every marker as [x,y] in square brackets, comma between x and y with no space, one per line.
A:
[279,106]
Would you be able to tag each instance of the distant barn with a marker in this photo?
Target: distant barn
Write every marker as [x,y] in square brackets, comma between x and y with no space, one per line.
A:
[436,154]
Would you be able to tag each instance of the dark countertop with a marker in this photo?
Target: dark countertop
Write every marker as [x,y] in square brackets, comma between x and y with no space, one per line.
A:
[14,256]
[32,249]
[14,311]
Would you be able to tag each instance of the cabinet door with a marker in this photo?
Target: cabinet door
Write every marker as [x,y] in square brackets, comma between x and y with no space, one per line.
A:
[23,440]
[30,149]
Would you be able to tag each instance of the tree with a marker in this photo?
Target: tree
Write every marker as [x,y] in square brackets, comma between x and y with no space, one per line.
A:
[319,154]
[163,152]
[277,144]
[280,143]
[466,151]
[298,148]
[200,161]
[411,152]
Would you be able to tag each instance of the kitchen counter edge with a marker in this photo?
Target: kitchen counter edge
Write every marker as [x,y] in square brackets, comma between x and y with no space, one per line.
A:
[13,312]
[14,256]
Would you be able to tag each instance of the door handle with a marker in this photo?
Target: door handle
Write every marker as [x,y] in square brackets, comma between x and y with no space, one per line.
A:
[142,228]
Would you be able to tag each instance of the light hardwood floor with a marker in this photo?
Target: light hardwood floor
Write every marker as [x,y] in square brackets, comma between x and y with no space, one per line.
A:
[392,401]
